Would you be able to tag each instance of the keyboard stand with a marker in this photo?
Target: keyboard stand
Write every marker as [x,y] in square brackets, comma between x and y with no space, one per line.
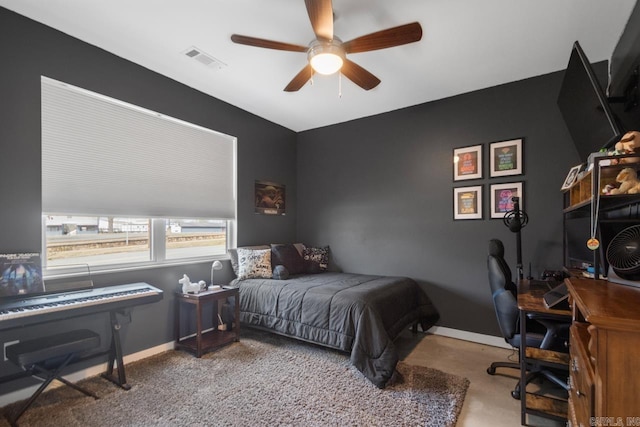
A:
[115,352]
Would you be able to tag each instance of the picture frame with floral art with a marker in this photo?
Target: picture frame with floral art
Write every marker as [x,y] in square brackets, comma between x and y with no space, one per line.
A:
[501,198]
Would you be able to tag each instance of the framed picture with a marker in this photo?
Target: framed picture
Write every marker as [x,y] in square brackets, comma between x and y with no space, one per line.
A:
[505,158]
[467,202]
[571,177]
[467,163]
[269,198]
[501,198]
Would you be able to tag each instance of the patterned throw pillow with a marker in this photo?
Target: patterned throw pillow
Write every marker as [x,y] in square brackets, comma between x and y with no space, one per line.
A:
[254,263]
[233,256]
[316,260]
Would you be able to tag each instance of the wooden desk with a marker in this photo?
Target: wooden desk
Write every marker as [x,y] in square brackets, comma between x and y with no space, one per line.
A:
[530,301]
[605,353]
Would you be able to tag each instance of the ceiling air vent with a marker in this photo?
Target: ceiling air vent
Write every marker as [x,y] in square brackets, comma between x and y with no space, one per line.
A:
[204,58]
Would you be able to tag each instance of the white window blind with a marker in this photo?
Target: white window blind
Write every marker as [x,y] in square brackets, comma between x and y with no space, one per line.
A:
[101,156]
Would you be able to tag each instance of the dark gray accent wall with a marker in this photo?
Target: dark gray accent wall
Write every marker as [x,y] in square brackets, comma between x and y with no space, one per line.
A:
[379,191]
[266,151]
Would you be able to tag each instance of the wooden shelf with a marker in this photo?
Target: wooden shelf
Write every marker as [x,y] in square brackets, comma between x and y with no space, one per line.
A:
[548,406]
[210,341]
[581,192]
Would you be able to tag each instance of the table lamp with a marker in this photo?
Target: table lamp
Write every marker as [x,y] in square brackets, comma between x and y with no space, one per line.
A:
[217,265]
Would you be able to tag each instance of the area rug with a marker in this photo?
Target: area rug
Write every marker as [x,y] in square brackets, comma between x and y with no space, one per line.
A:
[263,380]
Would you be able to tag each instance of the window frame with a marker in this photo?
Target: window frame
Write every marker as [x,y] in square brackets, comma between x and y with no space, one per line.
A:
[157,253]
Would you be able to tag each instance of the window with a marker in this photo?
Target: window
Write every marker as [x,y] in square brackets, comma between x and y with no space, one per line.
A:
[187,238]
[96,240]
[124,185]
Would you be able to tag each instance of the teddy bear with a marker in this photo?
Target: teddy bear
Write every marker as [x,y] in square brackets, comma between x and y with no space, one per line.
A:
[629,183]
[627,145]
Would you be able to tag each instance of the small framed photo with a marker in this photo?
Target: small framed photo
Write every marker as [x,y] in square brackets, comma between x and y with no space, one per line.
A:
[467,202]
[505,158]
[467,163]
[502,198]
[571,177]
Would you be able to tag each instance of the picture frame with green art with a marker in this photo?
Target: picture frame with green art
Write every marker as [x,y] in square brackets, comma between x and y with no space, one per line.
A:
[505,158]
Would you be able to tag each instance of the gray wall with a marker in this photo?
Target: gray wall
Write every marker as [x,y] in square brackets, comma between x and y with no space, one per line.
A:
[379,192]
[28,50]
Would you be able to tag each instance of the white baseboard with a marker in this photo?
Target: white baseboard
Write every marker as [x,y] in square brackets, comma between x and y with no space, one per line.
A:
[25,393]
[92,371]
[470,336]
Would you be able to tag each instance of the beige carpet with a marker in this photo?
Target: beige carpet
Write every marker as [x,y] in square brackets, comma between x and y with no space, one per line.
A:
[263,380]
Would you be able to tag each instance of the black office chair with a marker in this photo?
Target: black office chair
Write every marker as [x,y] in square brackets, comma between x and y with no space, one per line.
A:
[543,332]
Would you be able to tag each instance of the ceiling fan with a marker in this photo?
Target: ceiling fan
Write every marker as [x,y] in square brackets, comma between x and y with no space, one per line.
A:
[327,54]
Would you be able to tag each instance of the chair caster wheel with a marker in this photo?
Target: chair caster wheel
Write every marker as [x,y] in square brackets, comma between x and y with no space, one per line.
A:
[515,394]
[491,370]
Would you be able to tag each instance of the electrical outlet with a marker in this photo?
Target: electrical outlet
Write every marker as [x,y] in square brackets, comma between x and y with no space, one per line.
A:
[4,349]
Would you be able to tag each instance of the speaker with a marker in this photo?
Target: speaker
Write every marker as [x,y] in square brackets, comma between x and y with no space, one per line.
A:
[623,257]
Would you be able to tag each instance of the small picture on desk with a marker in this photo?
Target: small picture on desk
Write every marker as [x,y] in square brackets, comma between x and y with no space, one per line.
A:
[571,177]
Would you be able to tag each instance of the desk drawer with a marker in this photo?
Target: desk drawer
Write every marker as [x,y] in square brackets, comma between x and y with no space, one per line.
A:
[581,390]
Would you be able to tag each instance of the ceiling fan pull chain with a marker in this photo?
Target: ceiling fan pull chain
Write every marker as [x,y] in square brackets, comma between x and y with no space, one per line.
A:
[339,85]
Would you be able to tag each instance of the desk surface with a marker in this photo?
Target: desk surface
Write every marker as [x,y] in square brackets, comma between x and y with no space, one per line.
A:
[607,304]
[530,294]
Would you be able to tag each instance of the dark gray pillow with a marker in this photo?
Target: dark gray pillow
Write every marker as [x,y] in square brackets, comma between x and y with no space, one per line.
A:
[288,256]
[280,272]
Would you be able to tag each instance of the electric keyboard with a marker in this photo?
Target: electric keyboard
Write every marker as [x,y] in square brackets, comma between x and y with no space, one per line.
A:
[44,308]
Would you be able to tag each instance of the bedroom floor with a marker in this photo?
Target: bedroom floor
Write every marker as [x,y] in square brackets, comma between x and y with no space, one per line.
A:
[488,401]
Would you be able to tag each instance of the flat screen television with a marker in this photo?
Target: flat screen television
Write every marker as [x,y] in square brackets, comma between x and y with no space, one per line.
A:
[585,109]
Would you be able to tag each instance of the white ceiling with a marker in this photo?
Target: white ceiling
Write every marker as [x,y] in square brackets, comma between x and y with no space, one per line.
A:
[466,45]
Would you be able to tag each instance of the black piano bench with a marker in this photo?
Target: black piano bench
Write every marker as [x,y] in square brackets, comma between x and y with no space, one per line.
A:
[45,358]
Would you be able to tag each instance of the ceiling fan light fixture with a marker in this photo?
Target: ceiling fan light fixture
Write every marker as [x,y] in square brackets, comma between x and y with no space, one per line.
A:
[326,57]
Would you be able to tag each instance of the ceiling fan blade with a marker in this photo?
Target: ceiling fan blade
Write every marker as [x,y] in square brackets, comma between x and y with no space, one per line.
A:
[390,37]
[300,79]
[269,44]
[321,16]
[359,75]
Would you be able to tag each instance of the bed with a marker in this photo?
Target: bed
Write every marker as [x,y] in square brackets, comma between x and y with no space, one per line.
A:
[355,313]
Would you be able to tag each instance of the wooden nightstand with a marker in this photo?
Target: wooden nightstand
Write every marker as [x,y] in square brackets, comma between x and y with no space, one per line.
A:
[204,341]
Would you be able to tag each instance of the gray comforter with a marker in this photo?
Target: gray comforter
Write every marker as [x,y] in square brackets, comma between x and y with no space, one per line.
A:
[355,313]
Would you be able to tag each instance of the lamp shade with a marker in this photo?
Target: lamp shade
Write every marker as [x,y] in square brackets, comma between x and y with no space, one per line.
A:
[217,265]
[326,57]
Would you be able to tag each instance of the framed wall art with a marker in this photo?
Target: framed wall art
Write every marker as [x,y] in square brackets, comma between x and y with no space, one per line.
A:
[501,198]
[505,158]
[467,163]
[270,198]
[467,202]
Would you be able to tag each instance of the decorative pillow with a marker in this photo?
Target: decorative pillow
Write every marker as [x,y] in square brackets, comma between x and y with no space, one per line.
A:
[280,272]
[233,256]
[254,263]
[316,260]
[287,256]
